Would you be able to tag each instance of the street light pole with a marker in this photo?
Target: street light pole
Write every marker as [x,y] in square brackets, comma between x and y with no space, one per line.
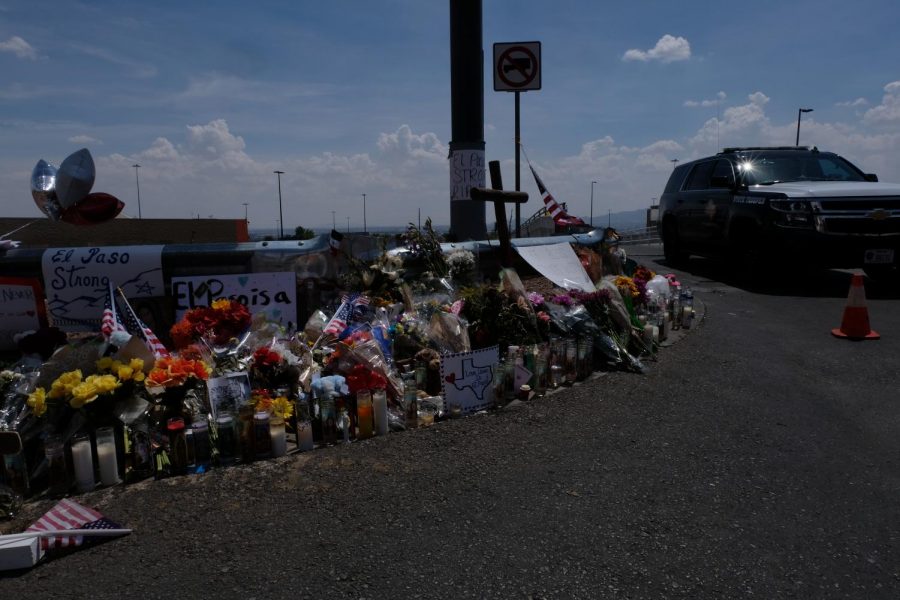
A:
[365,229]
[280,215]
[800,111]
[245,211]
[348,224]
[333,221]
[609,216]
[592,203]
[137,182]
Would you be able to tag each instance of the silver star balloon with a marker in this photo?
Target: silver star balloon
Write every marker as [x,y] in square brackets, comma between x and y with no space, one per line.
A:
[43,189]
[75,178]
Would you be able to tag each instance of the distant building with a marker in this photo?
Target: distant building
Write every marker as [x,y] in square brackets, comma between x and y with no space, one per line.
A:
[44,233]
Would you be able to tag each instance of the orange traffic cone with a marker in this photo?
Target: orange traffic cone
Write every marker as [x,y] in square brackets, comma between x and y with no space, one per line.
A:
[855,324]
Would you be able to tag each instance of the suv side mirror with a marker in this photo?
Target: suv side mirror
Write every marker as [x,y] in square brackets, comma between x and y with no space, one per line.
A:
[871,177]
[721,181]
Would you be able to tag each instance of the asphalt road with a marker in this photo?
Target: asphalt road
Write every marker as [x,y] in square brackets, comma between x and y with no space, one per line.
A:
[759,456]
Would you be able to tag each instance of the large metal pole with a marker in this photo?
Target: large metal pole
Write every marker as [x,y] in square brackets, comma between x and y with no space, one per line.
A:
[138,184]
[467,220]
[518,178]
[280,215]
[365,229]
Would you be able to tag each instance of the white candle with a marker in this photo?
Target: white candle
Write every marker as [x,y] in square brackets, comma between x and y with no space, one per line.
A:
[83,462]
[687,314]
[279,441]
[648,334]
[379,405]
[655,334]
[109,465]
[306,437]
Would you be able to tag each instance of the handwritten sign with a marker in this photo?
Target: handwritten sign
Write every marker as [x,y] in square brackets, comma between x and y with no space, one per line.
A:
[75,280]
[466,378]
[21,309]
[466,172]
[559,264]
[273,294]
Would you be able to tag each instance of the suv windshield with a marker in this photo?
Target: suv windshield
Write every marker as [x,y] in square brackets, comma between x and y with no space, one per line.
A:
[776,167]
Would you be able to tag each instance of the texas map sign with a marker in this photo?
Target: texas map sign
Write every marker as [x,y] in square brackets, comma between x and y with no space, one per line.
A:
[467,376]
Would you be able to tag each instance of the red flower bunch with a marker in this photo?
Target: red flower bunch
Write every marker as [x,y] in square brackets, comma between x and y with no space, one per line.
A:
[265,359]
[224,320]
[363,378]
[172,372]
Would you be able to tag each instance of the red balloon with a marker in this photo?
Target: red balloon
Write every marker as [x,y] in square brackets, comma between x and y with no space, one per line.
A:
[95,208]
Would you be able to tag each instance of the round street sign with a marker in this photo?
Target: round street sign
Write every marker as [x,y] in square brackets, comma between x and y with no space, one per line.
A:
[517,66]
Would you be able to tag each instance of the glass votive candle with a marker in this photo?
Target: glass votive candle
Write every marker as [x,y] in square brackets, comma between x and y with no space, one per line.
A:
[106,456]
[83,462]
[278,436]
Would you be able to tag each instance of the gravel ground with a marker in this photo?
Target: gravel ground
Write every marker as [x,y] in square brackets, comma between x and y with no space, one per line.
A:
[714,475]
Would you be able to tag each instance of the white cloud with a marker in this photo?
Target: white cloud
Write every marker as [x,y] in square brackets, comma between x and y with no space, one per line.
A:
[853,103]
[84,139]
[706,103]
[404,143]
[135,68]
[889,109]
[19,47]
[668,49]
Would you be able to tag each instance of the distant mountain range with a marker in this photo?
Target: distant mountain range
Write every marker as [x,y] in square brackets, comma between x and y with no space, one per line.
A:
[623,221]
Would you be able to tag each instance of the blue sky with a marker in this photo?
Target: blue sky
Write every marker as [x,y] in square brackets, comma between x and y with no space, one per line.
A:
[350,97]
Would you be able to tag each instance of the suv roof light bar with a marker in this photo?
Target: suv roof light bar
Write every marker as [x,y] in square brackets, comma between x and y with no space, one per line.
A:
[758,148]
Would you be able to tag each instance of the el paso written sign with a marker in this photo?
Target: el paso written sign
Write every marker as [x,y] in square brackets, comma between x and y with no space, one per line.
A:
[76,280]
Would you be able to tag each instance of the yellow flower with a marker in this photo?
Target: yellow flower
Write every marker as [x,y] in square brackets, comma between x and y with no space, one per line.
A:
[282,407]
[65,383]
[104,383]
[221,304]
[83,393]
[136,364]
[37,400]
[125,373]
[105,363]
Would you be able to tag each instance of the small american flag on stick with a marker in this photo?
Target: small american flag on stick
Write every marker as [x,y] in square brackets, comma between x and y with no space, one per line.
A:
[110,322]
[68,516]
[137,327]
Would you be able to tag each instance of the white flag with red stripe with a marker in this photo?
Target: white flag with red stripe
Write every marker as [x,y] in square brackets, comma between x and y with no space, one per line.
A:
[110,323]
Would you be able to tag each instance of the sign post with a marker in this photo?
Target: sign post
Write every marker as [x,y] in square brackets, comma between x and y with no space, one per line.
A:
[517,68]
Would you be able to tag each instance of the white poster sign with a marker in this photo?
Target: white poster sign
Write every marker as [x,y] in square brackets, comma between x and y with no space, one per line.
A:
[21,309]
[559,264]
[466,378]
[466,172]
[76,279]
[273,294]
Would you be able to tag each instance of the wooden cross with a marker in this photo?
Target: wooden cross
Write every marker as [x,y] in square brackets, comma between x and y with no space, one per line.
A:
[500,198]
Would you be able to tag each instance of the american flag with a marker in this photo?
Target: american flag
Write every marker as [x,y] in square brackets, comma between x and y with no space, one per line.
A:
[351,305]
[111,322]
[137,327]
[560,216]
[66,515]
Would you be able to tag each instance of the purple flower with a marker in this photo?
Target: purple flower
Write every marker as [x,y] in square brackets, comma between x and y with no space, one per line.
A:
[535,298]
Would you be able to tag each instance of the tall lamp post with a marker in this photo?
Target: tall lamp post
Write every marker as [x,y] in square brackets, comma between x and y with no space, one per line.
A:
[592,203]
[800,111]
[245,211]
[137,182]
[333,221]
[365,229]
[280,215]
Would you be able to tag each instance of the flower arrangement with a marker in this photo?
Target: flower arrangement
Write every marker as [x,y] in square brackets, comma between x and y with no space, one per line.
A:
[279,406]
[361,378]
[274,366]
[219,323]
[170,372]
[627,287]
[74,389]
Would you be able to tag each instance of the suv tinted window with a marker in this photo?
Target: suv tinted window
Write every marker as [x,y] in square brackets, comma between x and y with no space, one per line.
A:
[773,167]
[723,169]
[675,179]
[699,177]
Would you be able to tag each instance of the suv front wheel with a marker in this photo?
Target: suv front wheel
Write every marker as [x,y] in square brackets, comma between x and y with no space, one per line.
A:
[672,247]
